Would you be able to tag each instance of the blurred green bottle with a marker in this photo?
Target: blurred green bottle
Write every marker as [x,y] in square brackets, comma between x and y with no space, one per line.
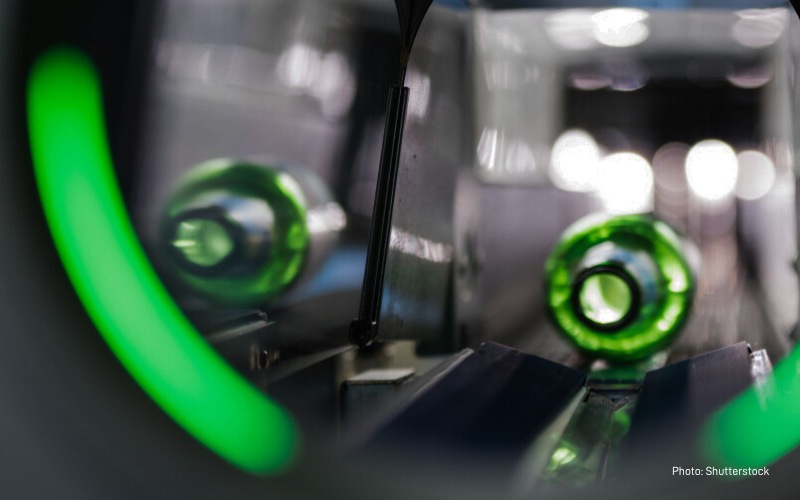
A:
[240,234]
[619,287]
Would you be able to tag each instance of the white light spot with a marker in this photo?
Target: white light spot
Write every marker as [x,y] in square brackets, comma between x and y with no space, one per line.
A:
[756,175]
[678,283]
[711,170]
[417,246]
[326,77]
[420,95]
[299,66]
[574,161]
[625,183]
[326,219]
[487,148]
[759,28]
[622,27]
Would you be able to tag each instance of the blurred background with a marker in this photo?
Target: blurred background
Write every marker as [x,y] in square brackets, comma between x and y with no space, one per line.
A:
[523,117]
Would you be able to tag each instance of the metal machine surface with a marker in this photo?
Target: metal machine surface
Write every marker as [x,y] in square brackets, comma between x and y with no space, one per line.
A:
[253,131]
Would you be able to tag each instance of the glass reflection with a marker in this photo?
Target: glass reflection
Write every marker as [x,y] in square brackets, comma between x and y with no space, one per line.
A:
[499,154]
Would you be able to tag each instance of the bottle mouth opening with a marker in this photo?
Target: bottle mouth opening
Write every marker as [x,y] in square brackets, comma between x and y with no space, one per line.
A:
[606,298]
[203,242]
[227,238]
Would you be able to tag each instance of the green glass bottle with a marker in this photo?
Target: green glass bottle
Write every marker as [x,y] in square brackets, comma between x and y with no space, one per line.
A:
[619,287]
[240,233]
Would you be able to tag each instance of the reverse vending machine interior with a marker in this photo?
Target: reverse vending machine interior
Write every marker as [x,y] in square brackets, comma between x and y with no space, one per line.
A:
[353,248]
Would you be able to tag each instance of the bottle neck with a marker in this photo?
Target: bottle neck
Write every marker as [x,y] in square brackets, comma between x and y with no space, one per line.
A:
[613,286]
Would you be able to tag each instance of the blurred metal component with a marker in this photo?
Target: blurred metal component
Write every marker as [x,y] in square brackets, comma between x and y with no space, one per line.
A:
[437,204]
[250,343]
[463,325]
[292,81]
[364,329]
[411,13]
[514,82]
[361,393]
[254,78]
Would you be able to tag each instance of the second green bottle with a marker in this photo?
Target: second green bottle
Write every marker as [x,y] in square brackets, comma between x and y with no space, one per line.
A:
[619,288]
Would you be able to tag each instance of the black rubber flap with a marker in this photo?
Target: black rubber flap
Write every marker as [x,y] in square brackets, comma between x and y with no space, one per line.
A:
[675,401]
[494,403]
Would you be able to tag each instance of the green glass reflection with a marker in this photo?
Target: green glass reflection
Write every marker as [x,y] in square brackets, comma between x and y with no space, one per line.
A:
[592,440]
[562,456]
[290,238]
[117,285]
[605,298]
[759,426]
[203,242]
[657,322]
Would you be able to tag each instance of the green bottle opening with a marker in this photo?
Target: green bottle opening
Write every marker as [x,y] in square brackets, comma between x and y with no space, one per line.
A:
[619,287]
[605,299]
[236,233]
[203,242]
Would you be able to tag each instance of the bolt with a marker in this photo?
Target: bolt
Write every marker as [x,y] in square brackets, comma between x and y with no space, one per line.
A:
[259,358]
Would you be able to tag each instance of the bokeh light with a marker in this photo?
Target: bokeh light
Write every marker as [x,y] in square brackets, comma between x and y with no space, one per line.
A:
[625,183]
[711,170]
[574,162]
[756,175]
[621,27]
